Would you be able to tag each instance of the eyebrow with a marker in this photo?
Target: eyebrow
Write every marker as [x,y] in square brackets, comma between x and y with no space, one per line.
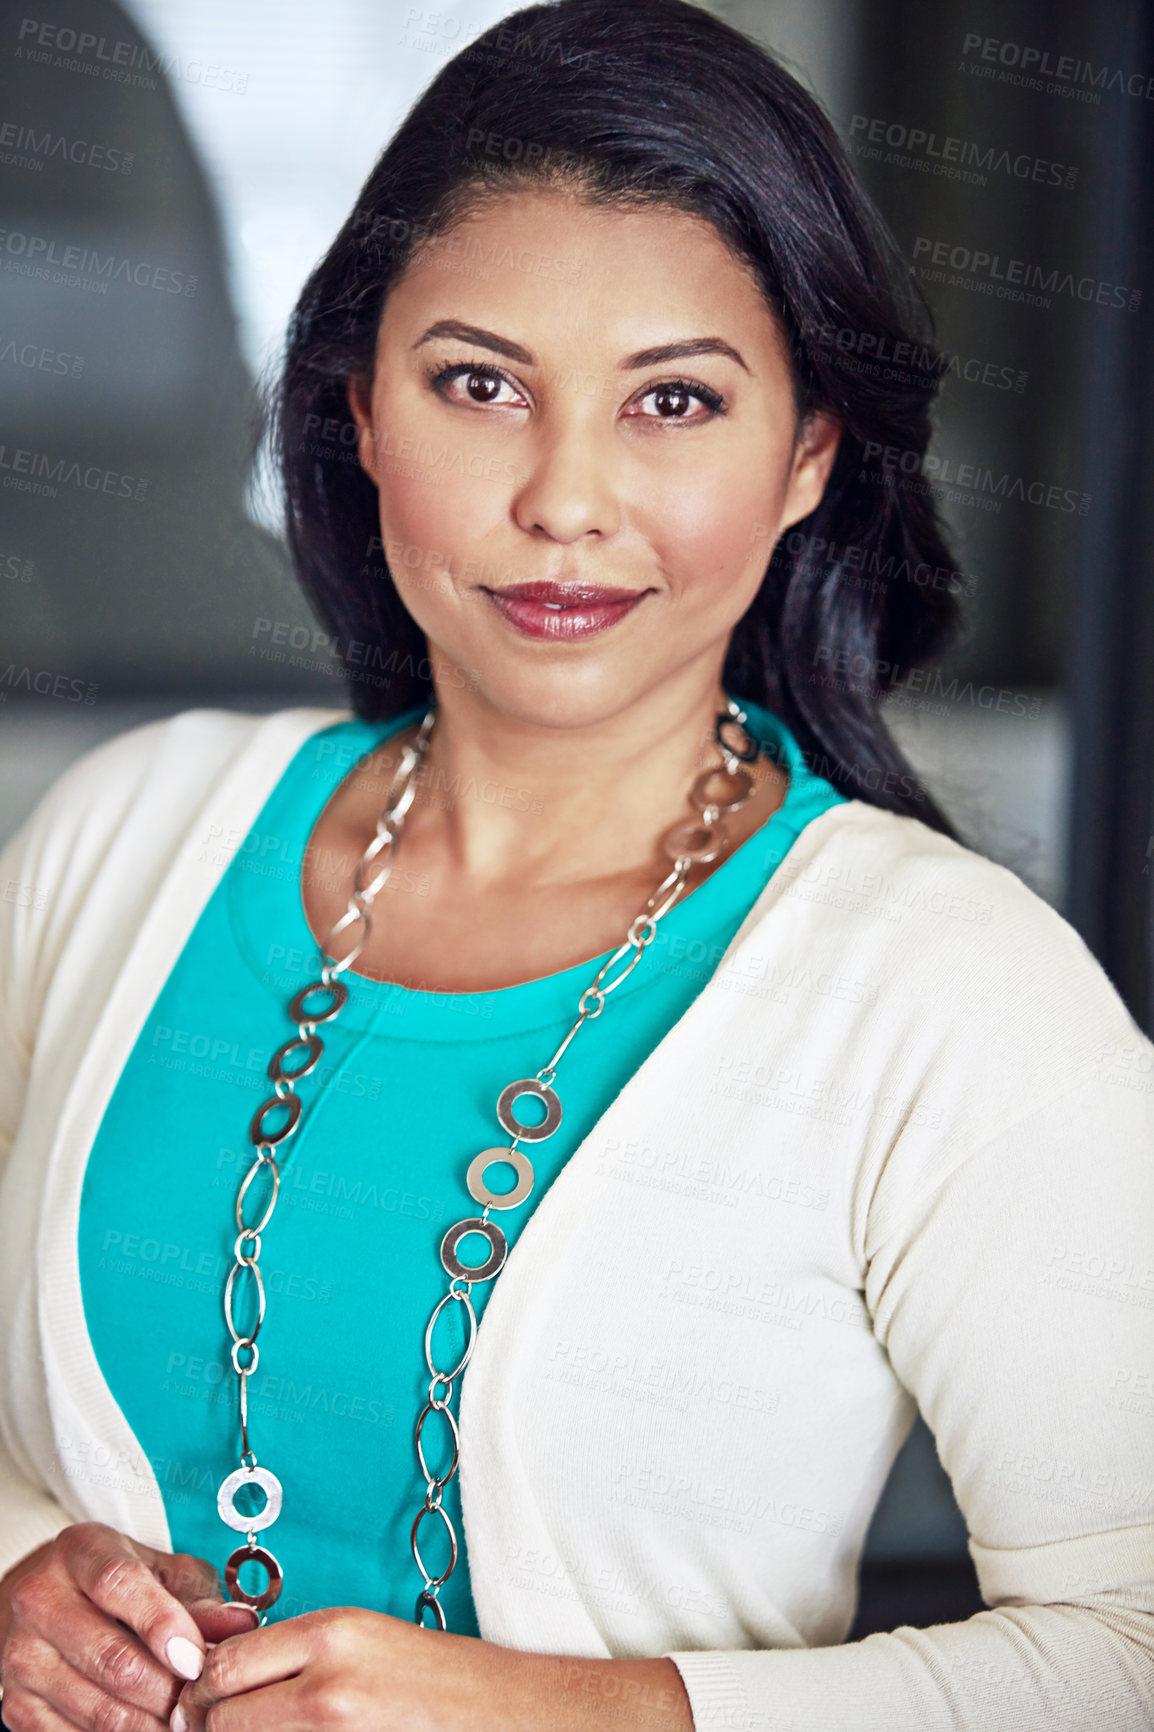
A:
[516,352]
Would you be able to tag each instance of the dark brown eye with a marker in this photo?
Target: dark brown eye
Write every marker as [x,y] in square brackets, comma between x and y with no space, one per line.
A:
[674,399]
[482,387]
[671,400]
[482,383]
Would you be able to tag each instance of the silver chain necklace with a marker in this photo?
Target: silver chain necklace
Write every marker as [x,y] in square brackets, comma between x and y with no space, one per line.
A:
[692,842]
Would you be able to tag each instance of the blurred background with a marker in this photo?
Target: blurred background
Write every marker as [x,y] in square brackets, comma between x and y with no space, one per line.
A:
[212,151]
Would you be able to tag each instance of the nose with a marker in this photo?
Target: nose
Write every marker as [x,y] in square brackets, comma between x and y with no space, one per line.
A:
[570,491]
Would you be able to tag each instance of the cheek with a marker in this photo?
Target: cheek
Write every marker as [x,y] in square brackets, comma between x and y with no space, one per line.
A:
[411,517]
[715,532]
[442,536]
[440,506]
[438,493]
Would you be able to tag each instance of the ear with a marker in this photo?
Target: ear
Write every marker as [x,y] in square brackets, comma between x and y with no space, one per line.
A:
[813,458]
[360,405]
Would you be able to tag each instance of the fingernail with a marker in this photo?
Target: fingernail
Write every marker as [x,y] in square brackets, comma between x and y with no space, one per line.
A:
[186,1660]
[179,1721]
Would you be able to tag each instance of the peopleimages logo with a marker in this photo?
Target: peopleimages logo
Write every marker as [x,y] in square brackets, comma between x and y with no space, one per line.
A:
[24,147]
[1019,63]
[1016,279]
[121,61]
[38,472]
[46,684]
[955,158]
[879,355]
[35,357]
[945,473]
[32,255]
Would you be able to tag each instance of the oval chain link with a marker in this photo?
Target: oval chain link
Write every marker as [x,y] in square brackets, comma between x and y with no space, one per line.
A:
[685,844]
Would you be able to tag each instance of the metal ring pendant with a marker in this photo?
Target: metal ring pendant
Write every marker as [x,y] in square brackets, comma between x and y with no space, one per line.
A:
[528,1085]
[475,1178]
[489,1230]
[226,1499]
[253,1555]
[751,749]
[703,801]
[695,842]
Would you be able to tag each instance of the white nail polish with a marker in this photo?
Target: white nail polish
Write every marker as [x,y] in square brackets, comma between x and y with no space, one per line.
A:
[185,1658]
[179,1721]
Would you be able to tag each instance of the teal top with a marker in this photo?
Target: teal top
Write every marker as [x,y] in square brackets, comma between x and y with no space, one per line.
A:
[403,1098]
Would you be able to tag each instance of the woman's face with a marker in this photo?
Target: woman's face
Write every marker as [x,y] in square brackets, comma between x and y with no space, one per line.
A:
[582,396]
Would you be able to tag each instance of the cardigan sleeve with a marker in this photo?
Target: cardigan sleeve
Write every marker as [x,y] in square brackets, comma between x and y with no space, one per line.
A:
[1015,1298]
[29,1517]
[75,882]
[29,1514]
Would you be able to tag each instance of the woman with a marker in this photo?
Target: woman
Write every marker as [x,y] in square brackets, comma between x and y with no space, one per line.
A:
[809,1114]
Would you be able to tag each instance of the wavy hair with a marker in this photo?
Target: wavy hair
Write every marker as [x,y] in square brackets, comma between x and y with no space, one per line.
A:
[640,102]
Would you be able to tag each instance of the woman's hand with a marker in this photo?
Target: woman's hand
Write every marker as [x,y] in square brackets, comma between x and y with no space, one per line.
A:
[104,1631]
[348,1670]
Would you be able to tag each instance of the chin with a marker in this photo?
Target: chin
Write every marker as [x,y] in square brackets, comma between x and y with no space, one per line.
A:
[590,691]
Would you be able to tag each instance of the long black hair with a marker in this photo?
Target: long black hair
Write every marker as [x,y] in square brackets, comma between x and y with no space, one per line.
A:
[657,101]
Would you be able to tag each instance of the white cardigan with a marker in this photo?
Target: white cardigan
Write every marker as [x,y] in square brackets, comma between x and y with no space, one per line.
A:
[897,1151]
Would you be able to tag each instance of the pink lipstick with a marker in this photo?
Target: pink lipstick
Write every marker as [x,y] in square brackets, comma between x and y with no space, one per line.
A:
[563,610]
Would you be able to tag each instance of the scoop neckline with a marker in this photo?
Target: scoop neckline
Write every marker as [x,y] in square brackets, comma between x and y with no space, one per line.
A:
[422,1013]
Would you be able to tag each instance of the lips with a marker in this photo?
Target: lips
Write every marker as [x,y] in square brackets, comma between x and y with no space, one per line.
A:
[563,610]
[566,594]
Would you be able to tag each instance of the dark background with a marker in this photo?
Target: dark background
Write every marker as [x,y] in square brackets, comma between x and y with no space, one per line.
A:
[127,601]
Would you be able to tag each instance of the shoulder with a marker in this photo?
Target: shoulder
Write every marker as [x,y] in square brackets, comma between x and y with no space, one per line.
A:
[166,768]
[955,942]
[885,871]
[93,854]
[982,1020]
[196,746]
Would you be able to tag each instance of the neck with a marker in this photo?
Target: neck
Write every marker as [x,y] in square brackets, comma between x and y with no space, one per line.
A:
[502,798]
